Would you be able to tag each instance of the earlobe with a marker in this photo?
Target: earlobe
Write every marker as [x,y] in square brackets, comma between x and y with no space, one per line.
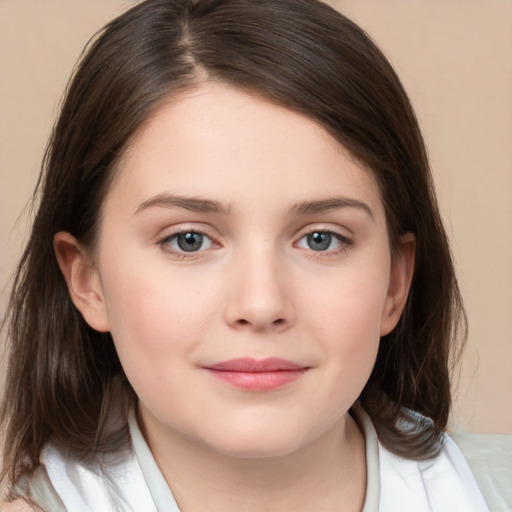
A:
[82,279]
[402,271]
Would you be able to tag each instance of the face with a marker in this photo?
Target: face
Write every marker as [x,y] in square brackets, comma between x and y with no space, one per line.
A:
[243,268]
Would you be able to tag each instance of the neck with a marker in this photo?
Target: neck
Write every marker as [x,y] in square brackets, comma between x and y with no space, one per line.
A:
[325,475]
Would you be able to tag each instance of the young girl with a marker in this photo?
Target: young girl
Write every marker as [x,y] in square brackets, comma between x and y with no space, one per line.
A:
[237,293]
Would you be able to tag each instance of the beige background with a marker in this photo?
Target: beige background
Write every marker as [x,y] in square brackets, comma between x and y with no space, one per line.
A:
[455,59]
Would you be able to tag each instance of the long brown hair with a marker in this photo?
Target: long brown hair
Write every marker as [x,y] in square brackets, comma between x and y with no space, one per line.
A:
[64,379]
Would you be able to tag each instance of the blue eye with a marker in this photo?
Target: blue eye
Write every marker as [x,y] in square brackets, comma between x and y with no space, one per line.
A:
[190,241]
[320,241]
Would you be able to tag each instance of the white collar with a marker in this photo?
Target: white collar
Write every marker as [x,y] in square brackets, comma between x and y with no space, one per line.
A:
[444,483]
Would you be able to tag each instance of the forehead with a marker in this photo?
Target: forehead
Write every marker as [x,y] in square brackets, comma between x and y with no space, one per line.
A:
[219,142]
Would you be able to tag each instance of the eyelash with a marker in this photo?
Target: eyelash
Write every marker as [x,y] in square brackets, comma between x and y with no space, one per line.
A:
[344,241]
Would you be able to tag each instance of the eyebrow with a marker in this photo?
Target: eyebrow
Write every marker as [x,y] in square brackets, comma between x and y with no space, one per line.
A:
[194,204]
[200,205]
[329,205]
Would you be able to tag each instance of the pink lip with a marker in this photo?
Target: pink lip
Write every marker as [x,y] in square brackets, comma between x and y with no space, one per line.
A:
[257,374]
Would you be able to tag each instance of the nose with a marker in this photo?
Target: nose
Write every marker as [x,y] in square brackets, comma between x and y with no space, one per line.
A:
[259,294]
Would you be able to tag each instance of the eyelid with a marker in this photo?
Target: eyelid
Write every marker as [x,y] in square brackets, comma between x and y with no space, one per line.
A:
[341,233]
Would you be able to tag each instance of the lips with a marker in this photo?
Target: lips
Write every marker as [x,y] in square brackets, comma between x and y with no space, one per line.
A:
[257,374]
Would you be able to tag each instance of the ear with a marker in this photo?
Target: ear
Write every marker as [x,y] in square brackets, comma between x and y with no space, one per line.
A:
[82,279]
[402,270]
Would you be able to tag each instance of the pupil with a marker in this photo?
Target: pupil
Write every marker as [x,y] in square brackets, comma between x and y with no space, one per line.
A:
[319,241]
[190,242]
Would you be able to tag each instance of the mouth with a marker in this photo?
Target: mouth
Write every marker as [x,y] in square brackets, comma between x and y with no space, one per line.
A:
[257,374]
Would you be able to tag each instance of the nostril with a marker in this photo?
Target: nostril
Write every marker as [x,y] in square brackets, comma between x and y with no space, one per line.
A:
[275,323]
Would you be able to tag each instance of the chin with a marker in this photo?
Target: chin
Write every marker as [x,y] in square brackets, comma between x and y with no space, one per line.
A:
[257,451]
[259,444]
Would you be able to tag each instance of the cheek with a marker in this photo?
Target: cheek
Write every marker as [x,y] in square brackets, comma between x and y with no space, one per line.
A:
[156,323]
[155,314]
[354,301]
[348,320]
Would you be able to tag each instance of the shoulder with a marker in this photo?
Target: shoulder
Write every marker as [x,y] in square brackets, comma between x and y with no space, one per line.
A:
[18,505]
[471,472]
[441,483]
[32,493]
[438,484]
[490,459]
[113,481]
[12,502]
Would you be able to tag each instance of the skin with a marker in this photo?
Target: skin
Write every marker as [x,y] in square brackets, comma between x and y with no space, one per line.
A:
[256,288]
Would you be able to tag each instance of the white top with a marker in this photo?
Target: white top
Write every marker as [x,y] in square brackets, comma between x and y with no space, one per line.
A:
[394,484]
